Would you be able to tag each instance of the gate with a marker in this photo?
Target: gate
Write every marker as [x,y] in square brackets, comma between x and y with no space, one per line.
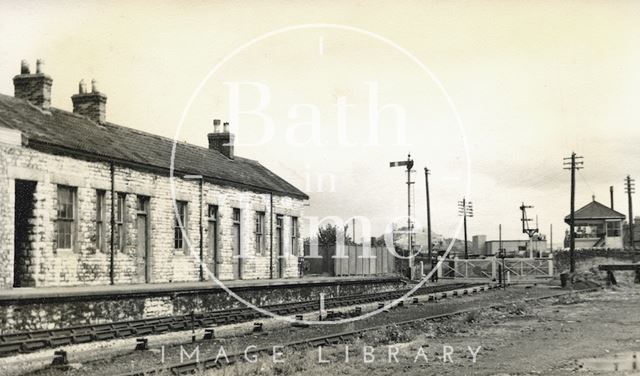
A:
[524,267]
[517,268]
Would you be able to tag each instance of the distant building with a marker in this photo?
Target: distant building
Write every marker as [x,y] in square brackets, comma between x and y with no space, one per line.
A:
[515,248]
[478,244]
[596,225]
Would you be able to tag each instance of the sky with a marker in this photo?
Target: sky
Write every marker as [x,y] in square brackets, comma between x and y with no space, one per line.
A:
[489,95]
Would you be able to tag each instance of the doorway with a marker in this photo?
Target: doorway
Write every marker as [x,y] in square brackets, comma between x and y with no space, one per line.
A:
[235,259]
[213,240]
[279,246]
[24,207]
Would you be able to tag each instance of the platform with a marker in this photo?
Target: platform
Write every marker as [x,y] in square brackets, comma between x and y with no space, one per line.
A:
[24,309]
[159,289]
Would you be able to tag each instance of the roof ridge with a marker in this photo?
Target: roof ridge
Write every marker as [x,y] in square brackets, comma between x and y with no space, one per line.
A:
[64,130]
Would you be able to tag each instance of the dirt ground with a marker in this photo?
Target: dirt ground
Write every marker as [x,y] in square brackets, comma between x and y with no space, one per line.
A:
[548,337]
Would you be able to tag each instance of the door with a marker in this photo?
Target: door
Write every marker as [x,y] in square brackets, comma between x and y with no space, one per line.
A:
[24,206]
[279,241]
[143,257]
[236,260]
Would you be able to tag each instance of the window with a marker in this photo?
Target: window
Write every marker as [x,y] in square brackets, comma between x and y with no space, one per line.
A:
[613,229]
[213,212]
[66,219]
[294,235]
[121,215]
[100,222]
[259,232]
[178,236]
[142,204]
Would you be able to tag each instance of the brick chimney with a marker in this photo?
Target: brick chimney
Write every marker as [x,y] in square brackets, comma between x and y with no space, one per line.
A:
[93,105]
[221,140]
[36,88]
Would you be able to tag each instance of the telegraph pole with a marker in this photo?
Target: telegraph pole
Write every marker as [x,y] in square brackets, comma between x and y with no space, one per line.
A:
[630,189]
[429,245]
[465,209]
[500,238]
[572,163]
[410,241]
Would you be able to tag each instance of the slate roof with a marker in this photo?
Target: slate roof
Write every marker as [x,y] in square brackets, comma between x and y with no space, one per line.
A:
[595,210]
[63,132]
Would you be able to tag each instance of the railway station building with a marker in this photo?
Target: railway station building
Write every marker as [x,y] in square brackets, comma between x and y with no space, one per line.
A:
[88,202]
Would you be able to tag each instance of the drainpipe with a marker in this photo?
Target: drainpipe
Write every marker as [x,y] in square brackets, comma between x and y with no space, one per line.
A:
[270,235]
[113,223]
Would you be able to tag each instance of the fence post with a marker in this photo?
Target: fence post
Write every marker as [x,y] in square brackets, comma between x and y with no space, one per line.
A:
[550,266]
[421,269]
[440,267]
[455,266]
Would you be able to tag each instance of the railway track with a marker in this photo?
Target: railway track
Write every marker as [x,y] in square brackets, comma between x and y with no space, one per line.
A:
[25,342]
[328,340]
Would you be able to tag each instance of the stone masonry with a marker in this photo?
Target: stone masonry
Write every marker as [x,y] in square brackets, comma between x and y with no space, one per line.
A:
[86,265]
[96,168]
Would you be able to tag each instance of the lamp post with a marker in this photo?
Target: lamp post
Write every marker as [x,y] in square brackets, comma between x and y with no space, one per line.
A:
[200,178]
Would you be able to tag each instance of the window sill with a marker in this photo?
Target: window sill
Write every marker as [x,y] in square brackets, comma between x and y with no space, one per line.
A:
[65,251]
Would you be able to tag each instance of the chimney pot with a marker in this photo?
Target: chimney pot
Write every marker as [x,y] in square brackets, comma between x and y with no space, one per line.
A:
[39,64]
[35,88]
[91,105]
[221,141]
[24,67]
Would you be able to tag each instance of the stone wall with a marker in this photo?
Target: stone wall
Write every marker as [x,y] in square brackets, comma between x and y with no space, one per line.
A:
[87,265]
[59,312]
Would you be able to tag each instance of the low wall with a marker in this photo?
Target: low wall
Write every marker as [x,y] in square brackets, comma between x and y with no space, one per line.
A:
[587,259]
[40,309]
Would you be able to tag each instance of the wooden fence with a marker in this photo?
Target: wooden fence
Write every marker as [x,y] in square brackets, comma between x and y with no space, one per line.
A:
[352,263]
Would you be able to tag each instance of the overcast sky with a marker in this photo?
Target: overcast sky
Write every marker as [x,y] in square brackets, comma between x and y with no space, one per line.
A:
[515,87]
